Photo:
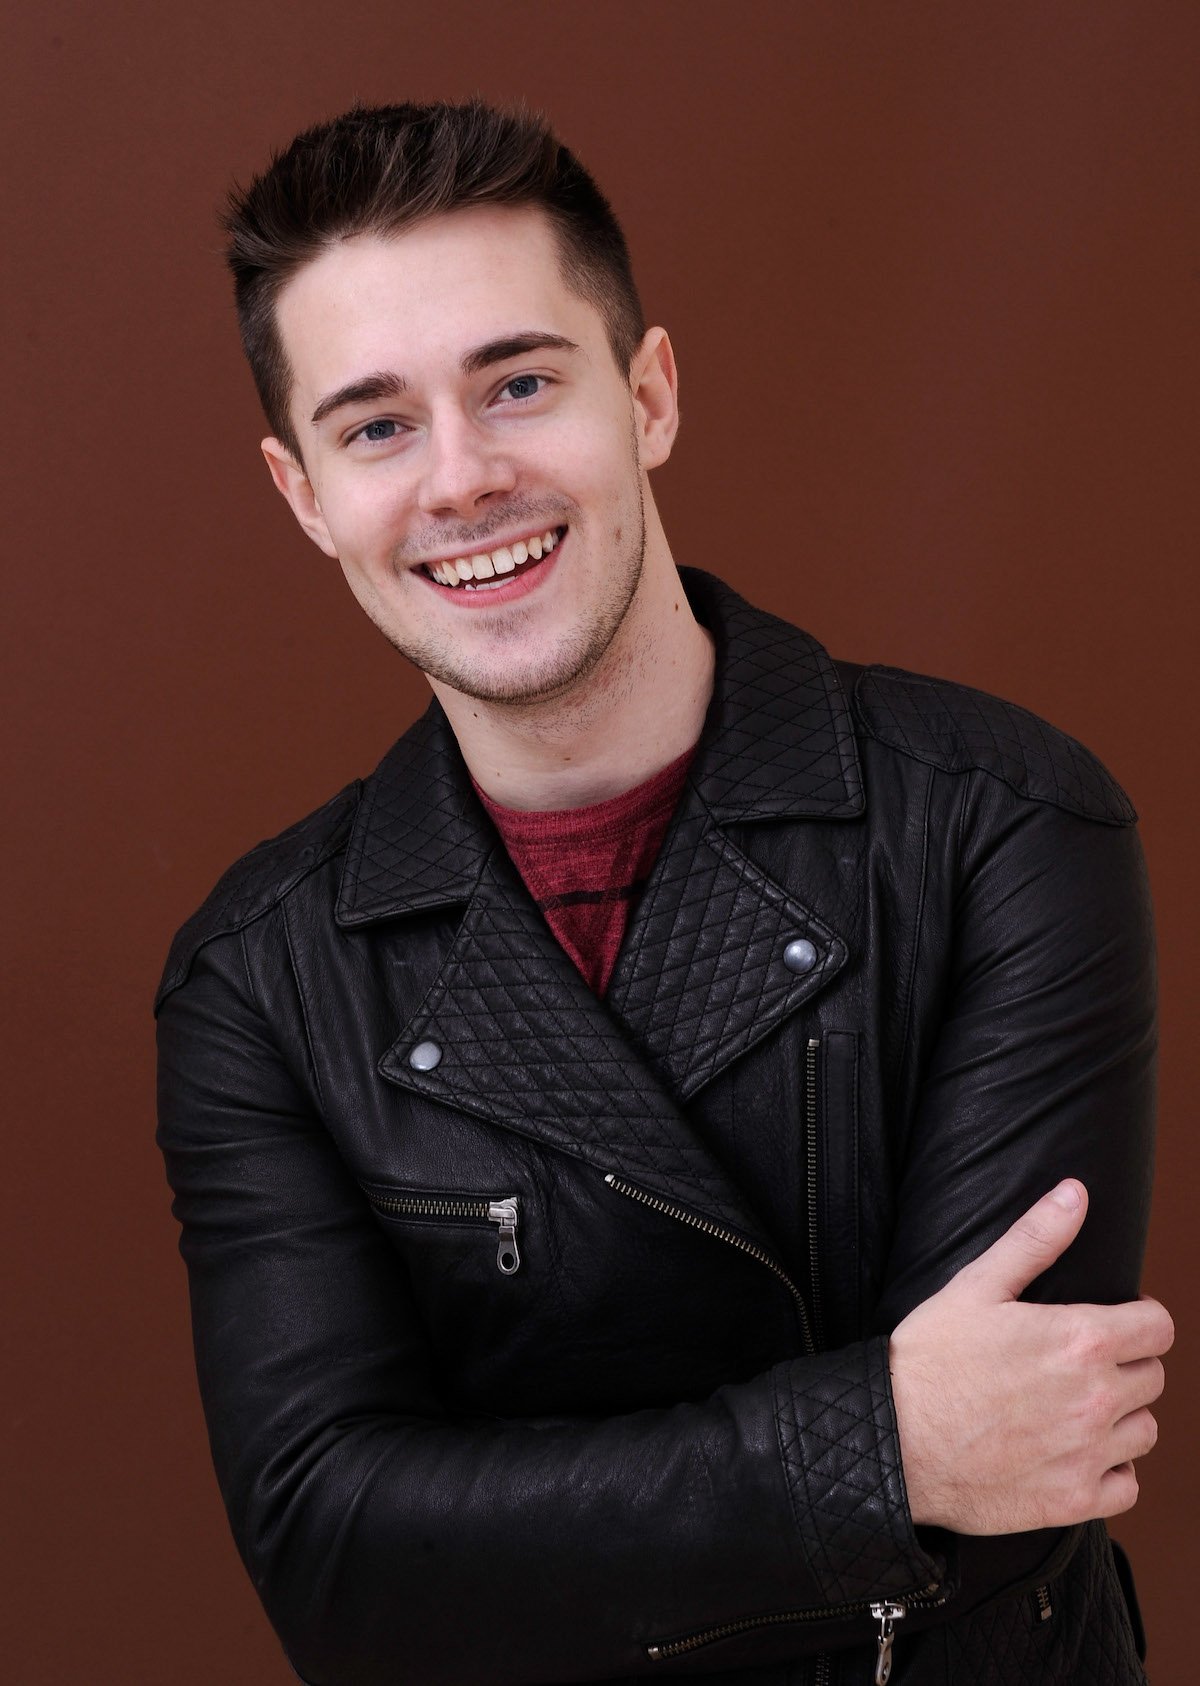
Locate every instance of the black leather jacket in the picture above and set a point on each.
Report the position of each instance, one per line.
(543, 1338)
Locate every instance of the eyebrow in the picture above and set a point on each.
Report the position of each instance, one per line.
(368, 390)
(385, 384)
(513, 345)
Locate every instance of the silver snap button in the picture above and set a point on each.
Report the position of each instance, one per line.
(800, 956)
(425, 1056)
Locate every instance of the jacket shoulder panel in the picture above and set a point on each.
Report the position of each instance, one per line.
(259, 880)
(958, 728)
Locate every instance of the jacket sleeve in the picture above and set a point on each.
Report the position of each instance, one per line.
(392, 1540)
(1041, 1061)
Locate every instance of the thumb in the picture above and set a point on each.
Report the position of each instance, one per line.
(1031, 1246)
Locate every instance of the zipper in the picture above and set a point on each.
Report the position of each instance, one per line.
(503, 1213)
(886, 1614)
(821, 1676)
(1044, 1607)
(706, 1225)
(811, 1058)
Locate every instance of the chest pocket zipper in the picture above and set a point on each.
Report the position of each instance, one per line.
(504, 1213)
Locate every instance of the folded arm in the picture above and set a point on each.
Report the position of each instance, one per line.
(1017, 1416)
(384, 1533)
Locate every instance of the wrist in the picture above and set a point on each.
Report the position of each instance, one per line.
(918, 1471)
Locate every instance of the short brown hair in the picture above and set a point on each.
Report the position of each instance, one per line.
(375, 170)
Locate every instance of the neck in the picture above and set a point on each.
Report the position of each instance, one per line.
(638, 710)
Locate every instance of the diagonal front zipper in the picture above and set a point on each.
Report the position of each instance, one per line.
(720, 1233)
(885, 1614)
(502, 1212)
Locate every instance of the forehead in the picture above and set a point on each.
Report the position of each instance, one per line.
(414, 301)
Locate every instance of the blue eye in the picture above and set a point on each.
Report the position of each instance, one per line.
(377, 432)
(523, 386)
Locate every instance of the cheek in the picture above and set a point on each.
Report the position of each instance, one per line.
(607, 483)
(365, 528)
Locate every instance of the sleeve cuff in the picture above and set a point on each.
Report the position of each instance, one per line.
(841, 1452)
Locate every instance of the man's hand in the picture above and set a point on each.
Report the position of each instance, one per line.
(1018, 1416)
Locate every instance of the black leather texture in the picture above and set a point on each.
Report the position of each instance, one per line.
(665, 1443)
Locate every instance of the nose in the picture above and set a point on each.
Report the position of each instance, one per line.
(464, 467)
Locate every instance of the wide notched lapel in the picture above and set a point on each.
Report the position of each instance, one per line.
(508, 1030)
(522, 1041)
(704, 971)
(702, 975)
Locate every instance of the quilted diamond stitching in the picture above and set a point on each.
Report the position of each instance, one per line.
(839, 1445)
(701, 976)
(421, 836)
(525, 1041)
(778, 738)
(959, 728)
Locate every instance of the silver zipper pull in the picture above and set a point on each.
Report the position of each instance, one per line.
(508, 1257)
(887, 1615)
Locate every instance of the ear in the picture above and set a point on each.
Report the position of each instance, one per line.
(655, 387)
(291, 480)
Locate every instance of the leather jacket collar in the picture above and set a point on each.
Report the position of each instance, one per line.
(778, 743)
(689, 994)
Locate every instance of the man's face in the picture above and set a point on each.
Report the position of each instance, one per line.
(473, 456)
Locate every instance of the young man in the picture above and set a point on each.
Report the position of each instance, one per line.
(611, 1142)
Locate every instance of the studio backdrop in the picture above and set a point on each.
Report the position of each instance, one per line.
(931, 276)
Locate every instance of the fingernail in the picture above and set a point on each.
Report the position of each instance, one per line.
(1066, 1195)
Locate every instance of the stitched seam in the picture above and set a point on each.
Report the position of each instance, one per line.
(357, 846)
(234, 928)
(1127, 814)
(258, 1007)
(784, 1460)
(910, 983)
(180, 974)
(895, 1498)
(841, 719)
(831, 1581)
(855, 1195)
(304, 1015)
(960, 832)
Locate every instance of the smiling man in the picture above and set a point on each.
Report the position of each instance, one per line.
(461, 436)
(664, 1163)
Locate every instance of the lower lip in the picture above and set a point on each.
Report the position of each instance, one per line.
(510, 592)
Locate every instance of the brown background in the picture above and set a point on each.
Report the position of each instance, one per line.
(931, 271)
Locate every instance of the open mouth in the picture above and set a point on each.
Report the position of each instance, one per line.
(486, 570)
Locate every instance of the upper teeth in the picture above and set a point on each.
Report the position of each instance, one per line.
(487, 564)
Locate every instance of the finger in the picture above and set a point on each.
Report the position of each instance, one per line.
(1134, 1435)
(1166, 1324)
(1140, 1383)
(1031, 1246)
(1117, 1491)
(1137, 1329)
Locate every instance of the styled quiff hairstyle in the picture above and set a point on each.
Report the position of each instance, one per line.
(378, 169)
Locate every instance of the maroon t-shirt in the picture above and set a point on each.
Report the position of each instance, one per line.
(585, 867)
